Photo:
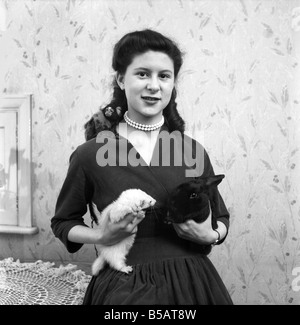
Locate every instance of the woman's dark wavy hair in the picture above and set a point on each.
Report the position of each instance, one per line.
(125, 50)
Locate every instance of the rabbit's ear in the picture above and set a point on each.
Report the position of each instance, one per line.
(214, 180)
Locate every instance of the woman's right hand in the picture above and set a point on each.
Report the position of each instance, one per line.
(111, 233)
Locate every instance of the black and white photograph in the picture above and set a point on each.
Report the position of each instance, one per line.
(150, 155)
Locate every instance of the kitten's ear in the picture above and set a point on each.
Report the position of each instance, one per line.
(214, 180)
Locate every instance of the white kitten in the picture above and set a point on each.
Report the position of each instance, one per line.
(130, 201)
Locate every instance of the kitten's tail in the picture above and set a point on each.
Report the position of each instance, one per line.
(98, 265)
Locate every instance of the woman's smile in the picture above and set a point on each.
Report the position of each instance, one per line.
(151, 100)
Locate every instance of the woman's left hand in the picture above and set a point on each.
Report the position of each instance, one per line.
(200, 233)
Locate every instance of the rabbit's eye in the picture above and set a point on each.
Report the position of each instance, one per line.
(194, 195)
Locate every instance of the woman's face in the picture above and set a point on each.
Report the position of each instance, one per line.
(148, 83)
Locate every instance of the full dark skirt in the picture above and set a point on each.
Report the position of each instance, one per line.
(159, 278)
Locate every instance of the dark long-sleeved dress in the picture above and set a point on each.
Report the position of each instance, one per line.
(167, 270)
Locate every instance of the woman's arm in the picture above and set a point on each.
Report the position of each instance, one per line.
(109, 234)
(68, 223)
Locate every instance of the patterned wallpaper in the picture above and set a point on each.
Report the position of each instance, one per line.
(237, 92)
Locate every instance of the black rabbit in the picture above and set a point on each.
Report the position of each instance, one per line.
(193, 200)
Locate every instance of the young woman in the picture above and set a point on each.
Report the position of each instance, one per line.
(170, 263)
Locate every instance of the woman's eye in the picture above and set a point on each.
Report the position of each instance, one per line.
(164, 76)
(142, 74)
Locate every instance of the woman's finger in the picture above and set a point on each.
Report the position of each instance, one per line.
(132, 220)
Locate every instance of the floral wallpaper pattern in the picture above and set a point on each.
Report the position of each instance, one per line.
(238, 92)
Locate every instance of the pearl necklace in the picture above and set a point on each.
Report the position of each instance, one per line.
(143, 127)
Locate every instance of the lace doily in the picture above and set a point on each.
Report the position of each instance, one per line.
(41, 283)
